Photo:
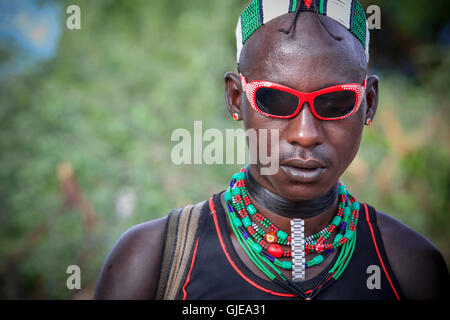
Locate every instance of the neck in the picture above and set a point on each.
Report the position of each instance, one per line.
(305, 209)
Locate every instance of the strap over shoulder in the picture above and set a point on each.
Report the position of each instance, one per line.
(182, 231)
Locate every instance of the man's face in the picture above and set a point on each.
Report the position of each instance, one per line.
(313, 153)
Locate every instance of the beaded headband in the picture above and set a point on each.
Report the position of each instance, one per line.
(348, 13)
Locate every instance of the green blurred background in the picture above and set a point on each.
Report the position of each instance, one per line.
(86, 118)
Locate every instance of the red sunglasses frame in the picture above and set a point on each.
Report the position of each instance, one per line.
(251, 88)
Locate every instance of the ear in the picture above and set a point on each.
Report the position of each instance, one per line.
(233, 93)
(371, 97)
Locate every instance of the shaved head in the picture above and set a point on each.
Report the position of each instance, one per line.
(308, 51)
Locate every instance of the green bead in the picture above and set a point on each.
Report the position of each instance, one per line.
(286, 265)
(227, 196)
(237, 222)
(256, 247)
(239, 176)
(347, 212)
(246, 221)
(257, 237)
(355, 206)
(342, 189)
(235, 191)
(251, 209)
(336, 221)
(282, 235)
(316, 260)
(348, 234)
(338, 237)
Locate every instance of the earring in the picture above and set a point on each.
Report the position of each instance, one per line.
(368, 121)
(236, 116)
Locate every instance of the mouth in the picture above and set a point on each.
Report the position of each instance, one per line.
(303, 170)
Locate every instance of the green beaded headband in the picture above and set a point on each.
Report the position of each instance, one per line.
(348, 13)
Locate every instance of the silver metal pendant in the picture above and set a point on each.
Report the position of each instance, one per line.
(298, 249)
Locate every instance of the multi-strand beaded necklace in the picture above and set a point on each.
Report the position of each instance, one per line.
(262, 240)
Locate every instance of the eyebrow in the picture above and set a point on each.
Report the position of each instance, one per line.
(327, 85)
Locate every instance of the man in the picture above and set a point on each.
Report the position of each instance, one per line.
(303, 72)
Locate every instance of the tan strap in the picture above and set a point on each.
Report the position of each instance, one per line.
(182, 229)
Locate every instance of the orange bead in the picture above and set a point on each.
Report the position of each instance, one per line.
(271, 237)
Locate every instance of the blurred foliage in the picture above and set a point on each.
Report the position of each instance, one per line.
(85, 137)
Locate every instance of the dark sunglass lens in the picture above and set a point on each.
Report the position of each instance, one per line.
(335, 104)
(276, 102)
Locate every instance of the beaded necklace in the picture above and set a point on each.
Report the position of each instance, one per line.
(262, 240)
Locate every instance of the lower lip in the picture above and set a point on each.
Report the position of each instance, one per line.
(303, 175)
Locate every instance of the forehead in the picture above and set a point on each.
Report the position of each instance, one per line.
(308, 58)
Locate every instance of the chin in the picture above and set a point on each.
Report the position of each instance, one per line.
(299, 188)
(301, 192)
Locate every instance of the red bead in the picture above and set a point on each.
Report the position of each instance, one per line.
(319, 247)
(275, 250)
(271, 237)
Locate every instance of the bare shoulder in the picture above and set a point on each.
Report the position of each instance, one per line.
(416, 262)
(131, 269)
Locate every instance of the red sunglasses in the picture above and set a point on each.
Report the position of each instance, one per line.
(278, 101)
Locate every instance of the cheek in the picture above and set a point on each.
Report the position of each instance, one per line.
(263, 137)
(345, 140)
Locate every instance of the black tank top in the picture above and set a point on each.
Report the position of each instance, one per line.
(216, 271)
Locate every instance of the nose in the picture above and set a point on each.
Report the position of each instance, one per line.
(305, 129)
